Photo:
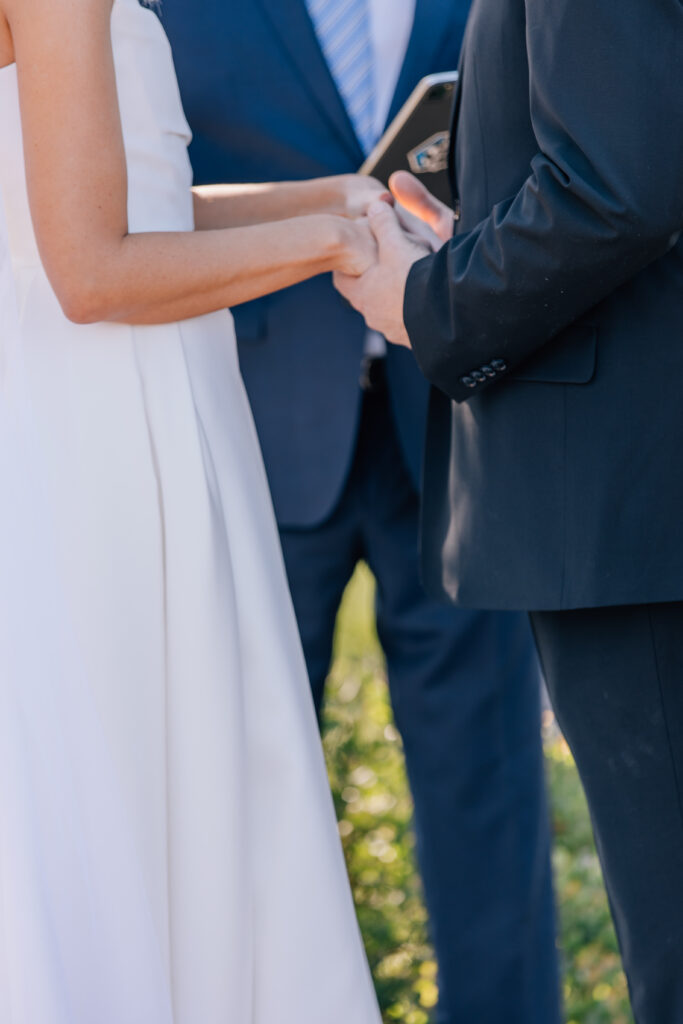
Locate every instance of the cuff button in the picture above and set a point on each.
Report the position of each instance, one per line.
(488, 371)
(499, 365)
(469, 382)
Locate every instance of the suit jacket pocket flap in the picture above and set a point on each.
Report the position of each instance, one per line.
(567, 359)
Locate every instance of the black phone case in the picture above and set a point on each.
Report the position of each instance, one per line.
(418, 140)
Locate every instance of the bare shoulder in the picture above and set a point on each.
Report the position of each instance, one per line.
(67, 9)
(33, 21)
(67, 87)
(6, 48)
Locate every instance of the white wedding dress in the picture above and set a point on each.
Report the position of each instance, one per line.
(168, 849)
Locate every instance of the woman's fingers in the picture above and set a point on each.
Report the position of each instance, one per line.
(359, 192)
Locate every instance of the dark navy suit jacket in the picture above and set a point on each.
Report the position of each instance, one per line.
(554, 319)
(263, 107)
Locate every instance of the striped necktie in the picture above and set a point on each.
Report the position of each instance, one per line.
(343, 30)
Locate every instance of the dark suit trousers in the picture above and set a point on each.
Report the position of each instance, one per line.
(615, 676)
(465, 693)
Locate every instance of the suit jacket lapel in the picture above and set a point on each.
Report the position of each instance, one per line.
(291, 21)
(432, 18)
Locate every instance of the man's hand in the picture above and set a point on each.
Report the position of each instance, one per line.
(378, 293)
(418, 201)
(417, 229)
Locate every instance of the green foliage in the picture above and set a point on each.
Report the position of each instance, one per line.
(374, 808)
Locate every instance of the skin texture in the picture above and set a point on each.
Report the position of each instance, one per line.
(346, 195)
(378, 293)
(6, 50)
(422, 205)
(78, 193)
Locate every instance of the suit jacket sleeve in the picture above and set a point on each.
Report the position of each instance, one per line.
(604, 197)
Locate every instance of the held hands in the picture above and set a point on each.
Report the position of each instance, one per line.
(377, 293)
(357, 251)
(419, 210)
(354, 194)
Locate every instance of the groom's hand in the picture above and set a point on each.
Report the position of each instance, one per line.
(419, 201)
(378, 293)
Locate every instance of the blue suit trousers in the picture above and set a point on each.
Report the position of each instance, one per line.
(465, 691)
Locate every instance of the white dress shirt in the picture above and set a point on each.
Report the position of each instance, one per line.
(391, 24)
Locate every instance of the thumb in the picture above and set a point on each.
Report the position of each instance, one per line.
(419, 201)
(385, 225)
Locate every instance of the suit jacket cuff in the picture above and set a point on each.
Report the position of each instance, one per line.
(427, 319)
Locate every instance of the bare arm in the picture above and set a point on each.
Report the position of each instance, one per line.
(78, 193)
(6, 51)
(343, 195)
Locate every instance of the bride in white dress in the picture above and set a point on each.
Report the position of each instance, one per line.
(168, 849)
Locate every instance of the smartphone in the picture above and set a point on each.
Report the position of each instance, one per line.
(419, 137)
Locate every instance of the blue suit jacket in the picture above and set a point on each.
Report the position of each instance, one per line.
(554, 318)
(263, 106)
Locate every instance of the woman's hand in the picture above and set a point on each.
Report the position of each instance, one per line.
(355, 193)
(358, 250)
(378, 293)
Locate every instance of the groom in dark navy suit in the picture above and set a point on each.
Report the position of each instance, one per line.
(293, 89)
(551, 325)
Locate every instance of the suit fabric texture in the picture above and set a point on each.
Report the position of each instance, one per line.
(614, 676)
(552, 478)
(344, 467)
(551, 327)
(275, 112)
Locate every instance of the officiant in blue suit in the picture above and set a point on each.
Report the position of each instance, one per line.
(293, 89)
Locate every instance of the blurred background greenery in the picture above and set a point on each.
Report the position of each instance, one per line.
(373, 807)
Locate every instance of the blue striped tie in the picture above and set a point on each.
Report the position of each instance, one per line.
(343, 30)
